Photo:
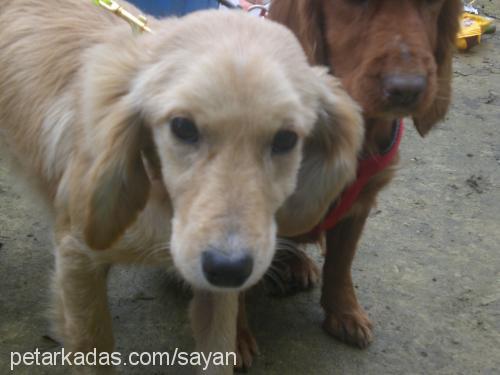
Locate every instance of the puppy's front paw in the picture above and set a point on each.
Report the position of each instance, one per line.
(292, 271)
(352, 327)
(246, 349)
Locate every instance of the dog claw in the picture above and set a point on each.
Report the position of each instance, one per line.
(353, 328)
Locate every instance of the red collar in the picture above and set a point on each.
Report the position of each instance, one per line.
(367, 168)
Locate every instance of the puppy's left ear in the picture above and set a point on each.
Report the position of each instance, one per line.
(329, 159)
(448, 24)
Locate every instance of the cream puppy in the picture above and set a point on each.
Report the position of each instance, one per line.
(173, 147)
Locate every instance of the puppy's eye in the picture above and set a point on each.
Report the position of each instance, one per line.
(284, 141)
(185, 130)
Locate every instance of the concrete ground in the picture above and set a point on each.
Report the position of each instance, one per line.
(427, 270)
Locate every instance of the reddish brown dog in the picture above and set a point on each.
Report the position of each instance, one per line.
(395, 59)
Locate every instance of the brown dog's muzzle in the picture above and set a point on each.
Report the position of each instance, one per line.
(403, 92)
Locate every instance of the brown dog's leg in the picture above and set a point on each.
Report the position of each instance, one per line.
(246, 346)
(344, 317)
(292, 269)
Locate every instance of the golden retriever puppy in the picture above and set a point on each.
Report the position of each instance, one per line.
(178, 146)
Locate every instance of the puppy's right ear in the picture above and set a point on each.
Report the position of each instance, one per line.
(117, 185)
(304, 18)
(329, 159)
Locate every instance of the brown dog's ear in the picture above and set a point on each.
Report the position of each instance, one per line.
(448, 24)
(303, 17)
(329, 159)
(118, 184)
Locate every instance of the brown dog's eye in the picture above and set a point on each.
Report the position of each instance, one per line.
(185, 130)
(284, 141)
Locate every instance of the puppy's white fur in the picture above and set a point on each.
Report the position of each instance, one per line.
(85, 109)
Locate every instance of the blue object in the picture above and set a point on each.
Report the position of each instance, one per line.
(162, 8)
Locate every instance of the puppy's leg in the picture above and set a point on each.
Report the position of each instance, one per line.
(213, 320)
(82, 318)
(292, 269)
(246, 346)
(345, 318)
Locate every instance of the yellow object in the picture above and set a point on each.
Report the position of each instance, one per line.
(471, 28)
(484, 22)
(139, 23)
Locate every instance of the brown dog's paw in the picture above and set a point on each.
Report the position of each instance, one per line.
(353, 327)
(291, 271)
(246, 349)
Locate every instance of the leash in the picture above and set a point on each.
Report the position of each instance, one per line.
(139, 23)
(367, 168)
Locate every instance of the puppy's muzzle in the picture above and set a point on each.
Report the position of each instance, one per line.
(226, 270)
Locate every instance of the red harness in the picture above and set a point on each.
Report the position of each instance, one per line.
(367, 168)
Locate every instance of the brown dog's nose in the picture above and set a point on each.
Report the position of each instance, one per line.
(226, 270)
(403, 90)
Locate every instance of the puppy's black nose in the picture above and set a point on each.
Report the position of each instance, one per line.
(403, 90)
(226, 270)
